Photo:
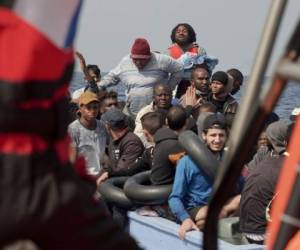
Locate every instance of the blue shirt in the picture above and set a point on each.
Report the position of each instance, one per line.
(191, 188)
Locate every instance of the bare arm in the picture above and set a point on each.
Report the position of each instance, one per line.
(83, 66)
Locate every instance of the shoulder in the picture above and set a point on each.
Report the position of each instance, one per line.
(163, 58)
(231, 99)
(131, 137)
(185, 161)
(74, 125)
(144, 110)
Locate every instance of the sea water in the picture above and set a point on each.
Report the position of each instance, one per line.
(289, 99)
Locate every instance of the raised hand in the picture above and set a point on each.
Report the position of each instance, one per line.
(81, 60)
(190, 97)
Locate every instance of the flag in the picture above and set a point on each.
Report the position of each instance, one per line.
(36, 65)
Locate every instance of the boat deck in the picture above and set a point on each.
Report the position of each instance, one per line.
(154, 233)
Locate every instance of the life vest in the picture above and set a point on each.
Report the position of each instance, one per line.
(175, 51)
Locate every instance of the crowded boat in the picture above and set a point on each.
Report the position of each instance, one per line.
(176, 164)
(132, 149)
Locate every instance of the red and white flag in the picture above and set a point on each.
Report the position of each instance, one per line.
(36, 65)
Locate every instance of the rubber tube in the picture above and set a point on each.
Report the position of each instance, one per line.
(136, 189)
(112, 192)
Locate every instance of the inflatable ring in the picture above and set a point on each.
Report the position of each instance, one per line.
(200, 154)
(136, 189)
(112, 192)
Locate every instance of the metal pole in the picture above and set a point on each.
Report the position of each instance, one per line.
(244, 119)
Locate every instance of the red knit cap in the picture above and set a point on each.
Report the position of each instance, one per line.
(140, 49)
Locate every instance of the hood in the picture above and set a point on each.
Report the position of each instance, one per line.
(165, 134)
(277, 133)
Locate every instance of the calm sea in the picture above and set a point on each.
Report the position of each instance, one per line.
(287, 102)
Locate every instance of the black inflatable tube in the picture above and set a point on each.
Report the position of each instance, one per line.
(146, 194)
(112, 192)
(200, 154)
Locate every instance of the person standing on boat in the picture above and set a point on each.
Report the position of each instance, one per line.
(88, 134)
(183, 38)
(192, 188)
(92, 75)
(139, 72)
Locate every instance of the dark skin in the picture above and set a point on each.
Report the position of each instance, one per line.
(162, 97)
(89, 75)
(218, 90)
(200, 80)
(109, 103)
(236, 87)
(89, 113)
(182, 37)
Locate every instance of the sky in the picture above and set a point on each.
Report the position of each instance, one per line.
(227, 29)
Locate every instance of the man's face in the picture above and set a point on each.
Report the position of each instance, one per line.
(217, 87)
(215, 139)
(109, 103)
(89, 111)
(140, 63)
(181, 35)
(162, 97)
(200, 80)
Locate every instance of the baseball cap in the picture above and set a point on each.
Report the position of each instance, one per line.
(214, 121)
(115, 118)
(87, 97)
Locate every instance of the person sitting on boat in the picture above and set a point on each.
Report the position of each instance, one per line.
(192, 187)
(276, 134)
(199, 86)
(92, 75)
(258, 192)
(238, 79)
(151, 122)
(139, 72)
(124, 147)
(220, 94)
(88, 134)
(166, 143)
(162, 97)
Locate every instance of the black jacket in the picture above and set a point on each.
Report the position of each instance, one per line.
(257, 193)
(166, 143)
(143, 163)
